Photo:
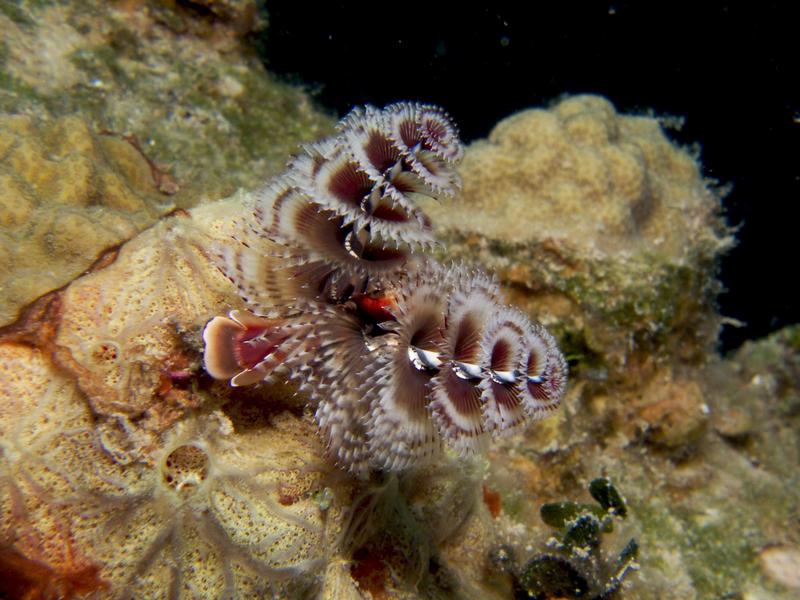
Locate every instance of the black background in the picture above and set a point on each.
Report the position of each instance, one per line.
(729, 70)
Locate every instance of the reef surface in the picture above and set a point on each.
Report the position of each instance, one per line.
(126, 471)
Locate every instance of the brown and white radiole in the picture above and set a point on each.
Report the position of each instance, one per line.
(400, 355)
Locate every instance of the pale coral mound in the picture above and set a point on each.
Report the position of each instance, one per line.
(584, 174)
(602, 226)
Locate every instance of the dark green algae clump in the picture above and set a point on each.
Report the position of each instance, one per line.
(576, 567)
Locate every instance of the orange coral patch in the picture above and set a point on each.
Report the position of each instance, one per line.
(493, 501)
(23, 578)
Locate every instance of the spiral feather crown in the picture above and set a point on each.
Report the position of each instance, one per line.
(401, 356)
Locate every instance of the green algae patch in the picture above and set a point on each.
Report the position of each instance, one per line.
(719, 557)
(13, 10)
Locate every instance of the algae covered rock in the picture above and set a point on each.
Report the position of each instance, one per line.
(705, 505)
(599, 224)
(179, 76)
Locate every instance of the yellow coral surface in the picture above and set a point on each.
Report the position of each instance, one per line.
(66, 194)
(214, 508)
(122, 328)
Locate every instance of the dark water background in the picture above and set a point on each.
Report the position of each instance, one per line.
(729, 70)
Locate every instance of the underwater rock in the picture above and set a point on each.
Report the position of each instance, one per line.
(66, 194)
(782, 563)
(703, 505)
(179, 76)
(673, 413)
(242, 14)
(733, 424)
(597, 220)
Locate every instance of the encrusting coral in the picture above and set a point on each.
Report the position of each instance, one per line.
(142, 473)
(128, 349)
(238, 500)
(45, 431)
(399, 353)
(139, 529)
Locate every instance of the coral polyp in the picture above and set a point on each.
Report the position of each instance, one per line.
(400, 355)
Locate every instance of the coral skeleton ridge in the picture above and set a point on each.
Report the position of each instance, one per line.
(400, 355)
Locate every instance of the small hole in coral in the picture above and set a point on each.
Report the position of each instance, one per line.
(185, 469)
